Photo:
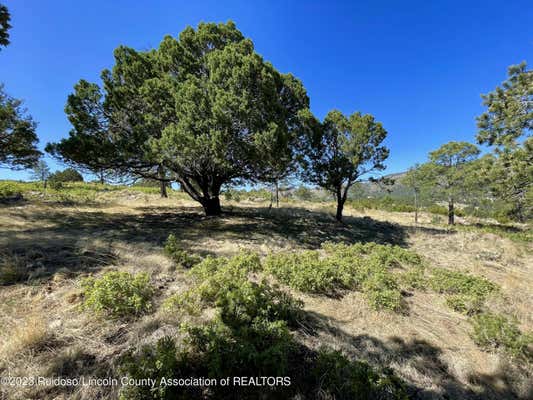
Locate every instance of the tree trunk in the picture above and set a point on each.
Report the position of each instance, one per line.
(277, 194)
(451, 213)
(163, 189)
(211, 206)
(416, 207)
(102, 180)
(162, 183)
(340, 206)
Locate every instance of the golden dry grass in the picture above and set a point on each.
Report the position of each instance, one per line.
(43, 331)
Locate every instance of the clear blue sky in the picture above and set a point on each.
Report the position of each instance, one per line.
(418, 66)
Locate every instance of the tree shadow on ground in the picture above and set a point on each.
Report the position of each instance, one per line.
(421, 359)
(60, 236)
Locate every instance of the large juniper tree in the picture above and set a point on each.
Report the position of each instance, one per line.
(341, 150)
(201, 107)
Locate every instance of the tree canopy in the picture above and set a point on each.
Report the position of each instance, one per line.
(18, 139)
(4, 25)
(338, 152)
(507, 125)
(449, 172)
(509, 112)
(202, 105)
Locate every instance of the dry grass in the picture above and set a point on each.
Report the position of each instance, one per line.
(43, 331)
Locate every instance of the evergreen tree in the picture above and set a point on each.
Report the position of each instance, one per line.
(341, 150)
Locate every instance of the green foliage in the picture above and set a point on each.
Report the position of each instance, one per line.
(509, 109)
(155, 362)
(441, 210)
(18, 138)
(67, 175)
(517, 234)
(251, 332)
(340, 150)
(451, 173)
(496, 331)
(366, 267)
(232, 194)
(118, 294)
(177, 254)
(467, 293)
(4, 25)
(384, 203)
(251, 329)
(195, 100)
(342, 379)
(9, 189)
(219, 280)
(415, 278)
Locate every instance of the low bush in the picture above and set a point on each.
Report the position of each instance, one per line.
(493, 331)
(9, 190)
(442, 210)
(151, 362)
(250, 335)
(384, 203)
(415, 278)
(223, 282)
(365, 267)
(118, 294)
(467, 293)
(177, 254)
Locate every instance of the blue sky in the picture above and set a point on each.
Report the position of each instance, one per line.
(418, 66)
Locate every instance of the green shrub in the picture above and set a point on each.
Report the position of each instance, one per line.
(155, 362)
(251, 329)
(365, 267)
(223, 282)
(177, 254)
(496, 331)
(9, 190)
(382, 292)
(467, 292)
(67, 175)
(340, 378)
(415, 278)
(55, 184)
(118, 294)
(442, 210)
(251, 332)
(385, 203)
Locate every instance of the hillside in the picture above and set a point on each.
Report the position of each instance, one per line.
(419, 326)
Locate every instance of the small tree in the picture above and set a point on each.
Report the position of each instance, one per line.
(338, 152)
(41, 172)
(67, 175)
(415, 180)
(448, 171)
